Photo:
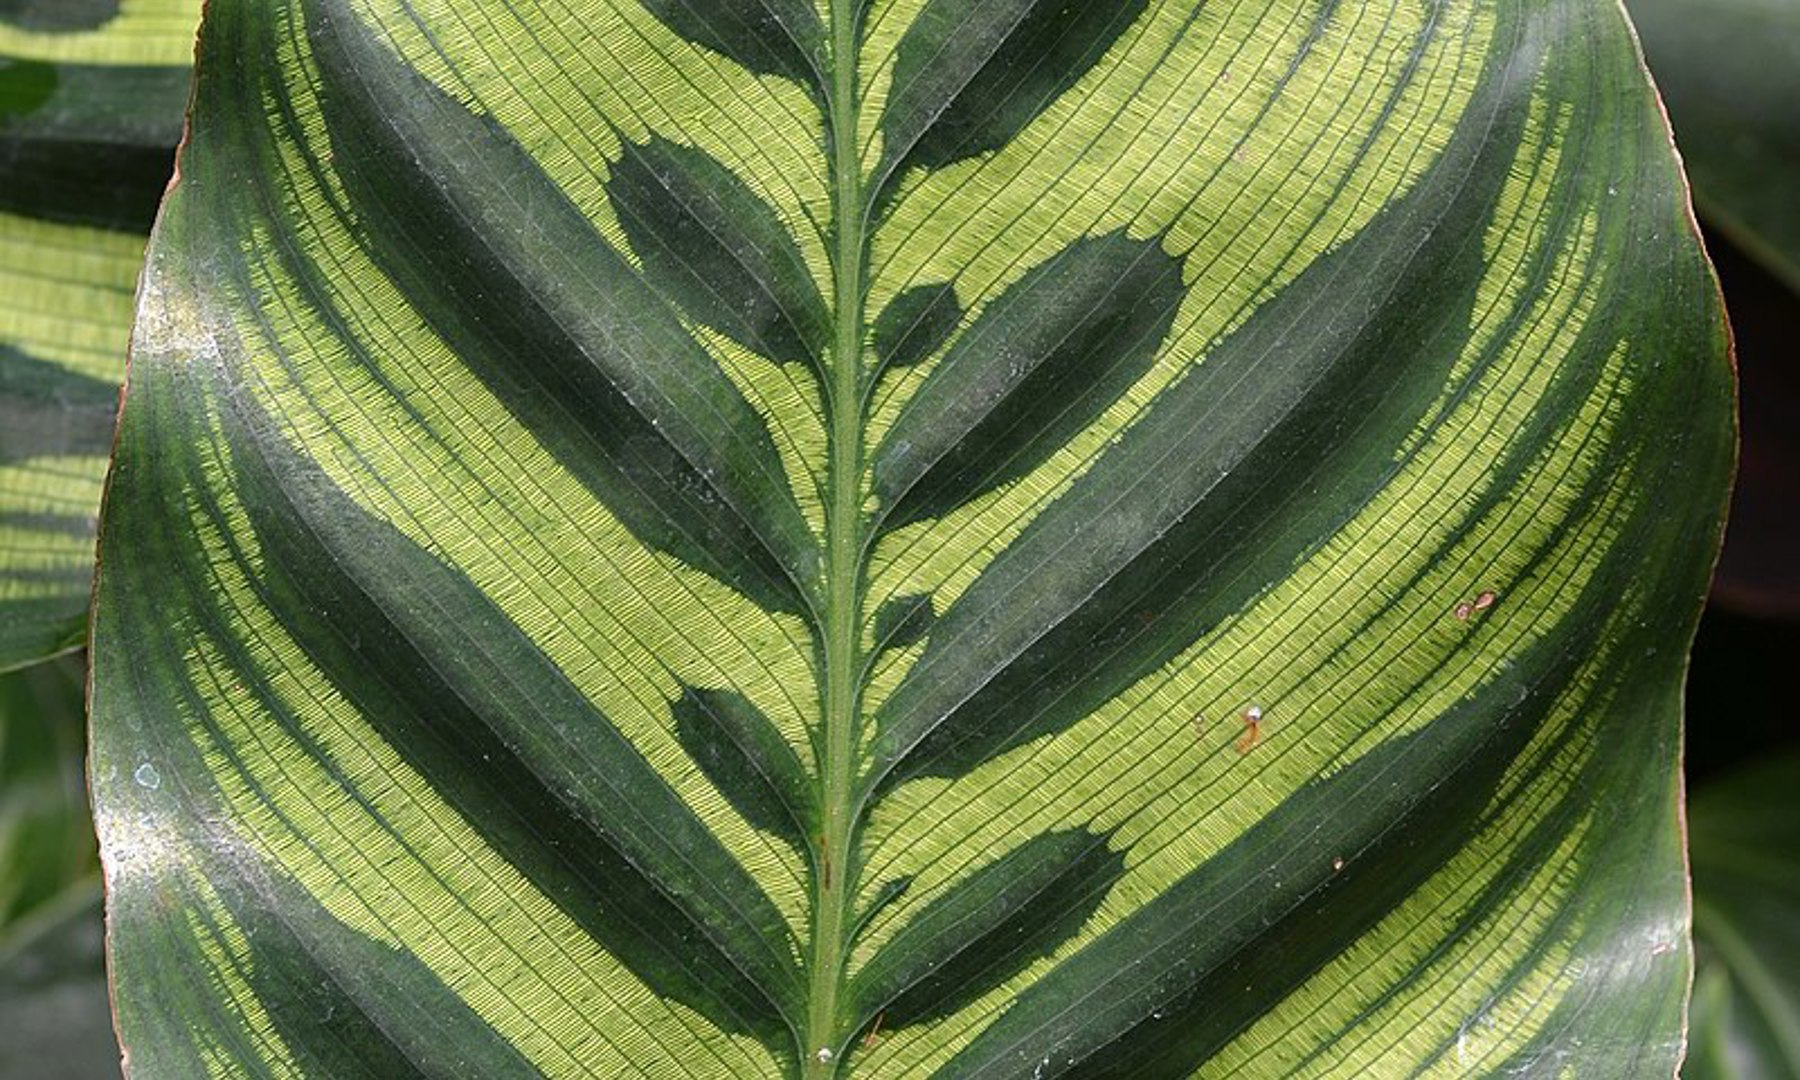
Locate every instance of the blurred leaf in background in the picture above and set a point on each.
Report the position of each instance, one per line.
(54, 1020)
(1746, 858)
(1730, 73)
(91, 100)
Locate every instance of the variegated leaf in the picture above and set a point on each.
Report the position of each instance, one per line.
(934, 537)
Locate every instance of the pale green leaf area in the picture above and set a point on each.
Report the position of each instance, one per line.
(957, 538)
(1744, 830)
(91, 100)
(1730, 71)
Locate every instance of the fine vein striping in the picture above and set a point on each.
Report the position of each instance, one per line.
(875, 866)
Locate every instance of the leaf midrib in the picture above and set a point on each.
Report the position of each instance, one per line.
(833, 865)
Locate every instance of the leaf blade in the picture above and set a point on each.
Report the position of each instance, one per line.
(1378, 472)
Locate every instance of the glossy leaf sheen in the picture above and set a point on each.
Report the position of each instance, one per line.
(997, 539)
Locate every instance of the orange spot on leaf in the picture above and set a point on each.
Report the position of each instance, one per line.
(1252, 730)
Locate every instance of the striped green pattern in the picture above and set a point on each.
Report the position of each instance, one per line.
(971, 538)
(91, 96)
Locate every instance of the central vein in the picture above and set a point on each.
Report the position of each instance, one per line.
(843, 610)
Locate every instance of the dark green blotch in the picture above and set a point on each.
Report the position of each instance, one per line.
(47, 410)
(989, 927)
(351, 1006)
(915, 325)
(971, 74)
(1170, 985)
(569, 337)
(747, 759)
(24, 377)
(903, 621)
(25, 85)
(448, 715)
(717, 250)
(58, 16)
(769, 37)
(75, 526)
(1043, 361)
(88, 144)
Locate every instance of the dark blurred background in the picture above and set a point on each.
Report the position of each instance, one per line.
(1744, 685)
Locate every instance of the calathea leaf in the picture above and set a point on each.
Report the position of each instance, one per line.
(46, 850)
(993, 539)
(777, 37)
(720, 251)
(914, 325)
(969, 77)
(91, 98)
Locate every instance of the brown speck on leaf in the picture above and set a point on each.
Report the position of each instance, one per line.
(1252, 730)
(1337, 864)
(1486, 600)
(1463, 611)
(874, 1035)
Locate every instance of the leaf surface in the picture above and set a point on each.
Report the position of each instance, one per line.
(993, 539)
